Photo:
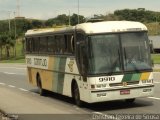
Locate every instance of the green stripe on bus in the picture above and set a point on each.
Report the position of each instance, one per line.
(56, 63)
(55, 75)
(127, 77)
(131, 77)
(55, 80)
(62, 64)
(60, 82)
(136, 77)
(58, 77)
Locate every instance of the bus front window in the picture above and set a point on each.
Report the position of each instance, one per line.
(104, 54)
(135, 51)
(113, 53)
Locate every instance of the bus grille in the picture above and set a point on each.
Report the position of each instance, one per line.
(122, 83)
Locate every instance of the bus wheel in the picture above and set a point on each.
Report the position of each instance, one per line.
(41, 91)
(130, 100)
(76, 95)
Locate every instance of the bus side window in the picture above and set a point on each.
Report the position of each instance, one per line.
(60, 44)
(51, 44)
(69, 44)
(80, 37)
(79, 40)
(72, 44)
(30, 45)
(66, 51)
(27, 45)
(35, 45)
(43, 44)
(82, 53)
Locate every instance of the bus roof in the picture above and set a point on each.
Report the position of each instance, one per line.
(111, 26)
(47, 30)
(96, 27)
(39, 31)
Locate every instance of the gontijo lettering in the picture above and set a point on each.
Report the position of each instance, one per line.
(29, 61)
(40, 62)
(37, 61)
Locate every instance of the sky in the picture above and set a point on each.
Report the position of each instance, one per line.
(45, 9)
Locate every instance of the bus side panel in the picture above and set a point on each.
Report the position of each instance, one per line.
(30, 76)
(57, 76)
(67, 85)
(57, 66)
(45, 75)
(33, 76)
(46, 79)
(71, 73)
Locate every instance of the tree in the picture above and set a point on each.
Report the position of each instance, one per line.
(37, 24)
(1, 45)
(7, 46)
(3, 38)
(50, 22)
(62, 19)
(6, 41)
(139, 14)
(74, 19)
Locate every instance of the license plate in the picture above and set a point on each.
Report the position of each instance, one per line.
(124, 92)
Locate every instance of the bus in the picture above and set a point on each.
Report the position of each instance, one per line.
(91, 62)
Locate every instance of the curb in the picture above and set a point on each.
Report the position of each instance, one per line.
(4, 116)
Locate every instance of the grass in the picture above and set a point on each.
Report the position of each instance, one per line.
(19, 55)
(156, 58)
(13, 60)
(153, 28)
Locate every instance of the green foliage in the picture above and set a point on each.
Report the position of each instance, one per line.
(59, 20)
(63, 19)
(74, 19)
(13, 60)
(11, 50)
(153, 28)
(139, 14)
(22, 25)
(150, 18)
(156, 58)
(36, 24)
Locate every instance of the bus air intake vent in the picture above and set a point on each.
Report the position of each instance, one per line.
(122, 83)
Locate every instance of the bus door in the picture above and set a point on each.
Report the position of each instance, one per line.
(82, 56)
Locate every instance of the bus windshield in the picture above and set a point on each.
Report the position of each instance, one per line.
(111, 53)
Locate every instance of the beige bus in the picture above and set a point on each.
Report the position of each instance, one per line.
(91, 62)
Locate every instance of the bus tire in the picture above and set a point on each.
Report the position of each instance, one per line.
(76, 95)
(41, 91)
(130, 100)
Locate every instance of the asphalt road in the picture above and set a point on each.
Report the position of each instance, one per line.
(17, 97)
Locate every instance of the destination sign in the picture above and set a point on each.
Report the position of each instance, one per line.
(37, 61)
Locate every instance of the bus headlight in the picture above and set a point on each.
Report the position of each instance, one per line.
(98, 86)
(92, 86)
(101, 85)
(147, 81)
